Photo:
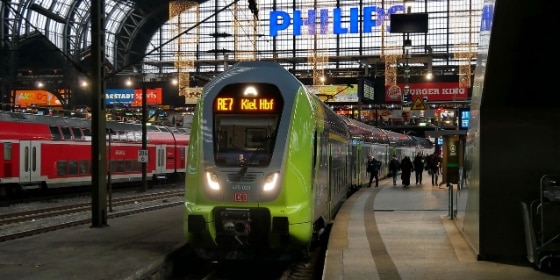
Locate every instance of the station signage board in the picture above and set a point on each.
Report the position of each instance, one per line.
(449, 91)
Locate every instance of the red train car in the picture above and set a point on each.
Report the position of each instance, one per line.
(53, 152)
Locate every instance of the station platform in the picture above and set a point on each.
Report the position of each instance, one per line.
(387, 233)
(130, 247)
(391, 232)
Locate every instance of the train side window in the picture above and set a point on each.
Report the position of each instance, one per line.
(61, 168)
(83, 167)
(137, 136)
(128, 166)
(87, 134)
(120, 166)
(66, 133)
(122, 136)
(73, 167)
(111, 167)
(77, 133)
(7, 151)
(137, 165)
(130, 136)
(55, 133)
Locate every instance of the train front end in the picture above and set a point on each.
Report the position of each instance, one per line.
(241, 195)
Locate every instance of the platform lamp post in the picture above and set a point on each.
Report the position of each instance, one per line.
(109, 169)
(144, 131)
(143, 155)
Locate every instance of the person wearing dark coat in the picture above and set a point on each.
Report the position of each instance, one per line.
(394, 166)
(418, 168)
(373, 170)
(434, 164)
(406, 170)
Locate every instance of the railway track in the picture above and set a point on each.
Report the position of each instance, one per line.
(309, 267)
(40, 220)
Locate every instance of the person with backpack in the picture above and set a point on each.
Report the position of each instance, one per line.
(394, 166)
(372, 168)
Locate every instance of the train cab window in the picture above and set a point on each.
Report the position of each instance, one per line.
(55, 133)
(66, 133)
(7, 151)
(73, 167)
(61, 168)
(84, 167)
(250, 136)
(77, 133)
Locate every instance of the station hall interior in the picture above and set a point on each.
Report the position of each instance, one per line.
(485, 58)
(173, 48)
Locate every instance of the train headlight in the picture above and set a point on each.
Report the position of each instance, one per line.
(212, 180)
(270, 181)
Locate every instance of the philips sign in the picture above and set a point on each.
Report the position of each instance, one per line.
(373, 16)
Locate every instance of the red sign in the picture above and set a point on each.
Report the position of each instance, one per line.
(154, 96)
(240, 197)
(431, 91)
(27, 98)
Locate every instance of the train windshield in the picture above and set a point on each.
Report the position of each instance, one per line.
(246, 118)
(244, 140)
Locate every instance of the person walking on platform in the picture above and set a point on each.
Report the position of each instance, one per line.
(434, 164)
(406, 170)
(418, 168)
(373, 170)
(394, 166)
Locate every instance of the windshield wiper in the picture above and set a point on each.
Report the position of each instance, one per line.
(243, 162)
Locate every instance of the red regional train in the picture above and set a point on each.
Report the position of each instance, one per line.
(45, 152)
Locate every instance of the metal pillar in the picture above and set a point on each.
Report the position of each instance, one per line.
(98, 123)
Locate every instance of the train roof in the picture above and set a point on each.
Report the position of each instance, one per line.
(41, 124)
(422, 142)
(366, 132)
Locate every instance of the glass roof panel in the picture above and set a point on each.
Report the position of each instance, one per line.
(116, 12)
(452, 26)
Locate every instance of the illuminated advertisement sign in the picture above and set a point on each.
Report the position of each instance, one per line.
(133, 97)
(336, 93)
(153, 96)
(230, 104)
(371, 17)
(28, 98)
(119, 96)
(464, 119)
(428, 91)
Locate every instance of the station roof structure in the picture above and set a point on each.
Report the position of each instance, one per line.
(197, 39)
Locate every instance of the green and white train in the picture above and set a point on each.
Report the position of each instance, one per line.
(269, 165)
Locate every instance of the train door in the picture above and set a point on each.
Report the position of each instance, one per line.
(161, 159)
(30, 162)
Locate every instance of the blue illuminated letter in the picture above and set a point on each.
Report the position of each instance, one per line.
(275, 17)
(337, 22)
